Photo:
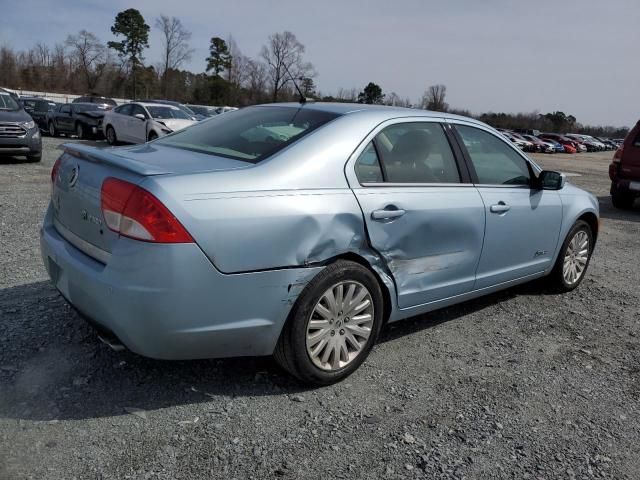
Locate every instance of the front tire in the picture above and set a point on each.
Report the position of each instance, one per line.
(111, 136)
(52, 130)
(80, 131)
(34, 158)
(574, 257)
(333, 325)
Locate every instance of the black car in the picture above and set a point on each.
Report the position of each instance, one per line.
(82, 119)
(38, 108)
(100, 100)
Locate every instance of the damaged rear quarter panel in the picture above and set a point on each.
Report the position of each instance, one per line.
(276, 229)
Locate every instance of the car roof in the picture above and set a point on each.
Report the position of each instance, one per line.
(156, 104)
(391, 112)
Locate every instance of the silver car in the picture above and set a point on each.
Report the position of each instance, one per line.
(300, 230)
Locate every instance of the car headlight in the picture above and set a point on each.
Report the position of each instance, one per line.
(28, 125)
(167, 130)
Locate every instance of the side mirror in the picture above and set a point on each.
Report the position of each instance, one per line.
(550, 180)
(140, 116)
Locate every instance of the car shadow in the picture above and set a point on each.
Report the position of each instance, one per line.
(53, 367)
(607, 210)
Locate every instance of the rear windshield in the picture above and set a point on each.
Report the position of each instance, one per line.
(167, 112)
(251, 134)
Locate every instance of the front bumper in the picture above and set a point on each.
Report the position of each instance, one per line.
(169, 301)
(28, 144)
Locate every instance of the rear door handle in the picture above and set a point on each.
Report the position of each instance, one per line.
(387, 214)
(500, 207)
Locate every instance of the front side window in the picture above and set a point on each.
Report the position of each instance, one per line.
(250, 134)
(65, 109)
(494, 161)
(417, 153)
(137, 109)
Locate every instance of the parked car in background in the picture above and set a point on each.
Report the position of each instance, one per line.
(81, 119)
(220, 110)
(231, 238)
(181, 106)
(139, 122)
(564, 141)
(38, 108)
(624, 171)
(527, 131)
(541, 145)
(522, 144)
(19, 134)
(591, 144)
(107, 102)
(204, 110)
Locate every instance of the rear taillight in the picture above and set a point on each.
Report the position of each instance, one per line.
(133, 212)
(617, 157)
(54, 170)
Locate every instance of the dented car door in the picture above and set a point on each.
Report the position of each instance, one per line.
(422, 214)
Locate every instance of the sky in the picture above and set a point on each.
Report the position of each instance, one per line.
(577, 56)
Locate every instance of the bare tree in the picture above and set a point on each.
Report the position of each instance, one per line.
(255, 80)
(433, 98)
(175, 40)
(283, 52)
(89, 55)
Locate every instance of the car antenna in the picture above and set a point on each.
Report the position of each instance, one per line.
(302, 99)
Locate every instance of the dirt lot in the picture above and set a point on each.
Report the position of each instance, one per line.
(520, 384)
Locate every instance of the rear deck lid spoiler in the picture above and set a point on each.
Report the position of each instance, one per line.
(154, 159)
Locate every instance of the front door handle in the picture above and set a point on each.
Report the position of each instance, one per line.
(387, 214)
(500, 207)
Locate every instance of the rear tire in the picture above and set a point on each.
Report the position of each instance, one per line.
(621, 200)
(299, 351)
(110, 133)
(573, 261)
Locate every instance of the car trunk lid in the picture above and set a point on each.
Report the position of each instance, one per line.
(76, 189)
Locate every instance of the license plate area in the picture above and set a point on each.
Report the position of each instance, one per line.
(634, 186)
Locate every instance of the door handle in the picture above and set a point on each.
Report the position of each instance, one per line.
(387, 214)
(500, 207)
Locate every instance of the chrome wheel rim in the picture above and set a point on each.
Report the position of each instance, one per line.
(52, 129)
(340, 325)
(576, 257)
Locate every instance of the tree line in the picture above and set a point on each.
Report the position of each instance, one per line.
(83, 63)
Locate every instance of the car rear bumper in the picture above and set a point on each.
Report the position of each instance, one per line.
(169, 301)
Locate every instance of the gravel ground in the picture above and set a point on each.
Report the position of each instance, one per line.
(519, 384)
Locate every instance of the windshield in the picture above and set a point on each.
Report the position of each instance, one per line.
(167, 112)
(251, 134)
(8, 103)
(88, 107)
(201, 110)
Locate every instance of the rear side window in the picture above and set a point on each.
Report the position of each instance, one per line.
(417, 153)
(368, 166)
(124, 110)
(251, 134)
(494, 161)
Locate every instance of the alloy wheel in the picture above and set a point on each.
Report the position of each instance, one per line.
(576, 258)
(340, 325)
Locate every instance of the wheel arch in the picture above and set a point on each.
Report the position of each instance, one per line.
(387, 286)
(592, 220)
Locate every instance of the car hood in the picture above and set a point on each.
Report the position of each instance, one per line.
(92, 114)
(14, 116)
(176, 124)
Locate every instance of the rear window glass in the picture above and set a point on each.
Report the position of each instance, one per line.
(167, 112)
(8, 103)
(251, 134)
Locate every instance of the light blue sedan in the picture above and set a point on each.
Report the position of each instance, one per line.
(300, 230)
